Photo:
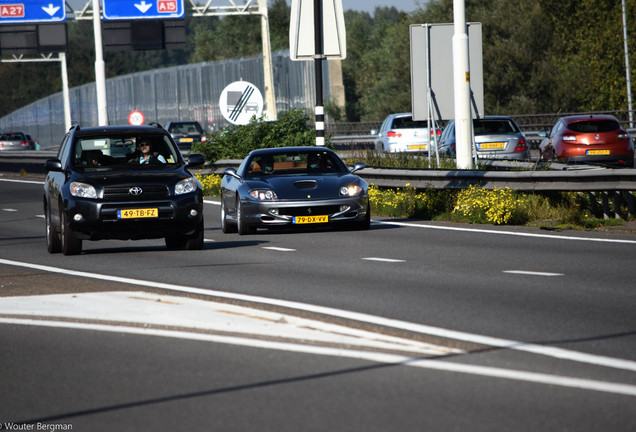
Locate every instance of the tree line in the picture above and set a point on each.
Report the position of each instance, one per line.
(539, 56)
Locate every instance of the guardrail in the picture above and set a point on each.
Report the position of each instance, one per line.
(605, 181)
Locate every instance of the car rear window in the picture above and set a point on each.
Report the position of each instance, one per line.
(592, 126)
(185, 128)
(488, 127)
(12, 137)
(408, 123)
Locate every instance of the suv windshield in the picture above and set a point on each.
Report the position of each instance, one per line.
(124, 152)
(592, 126)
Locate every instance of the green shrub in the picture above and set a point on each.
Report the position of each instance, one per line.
(293, 128)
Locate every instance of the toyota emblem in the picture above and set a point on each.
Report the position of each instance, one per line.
(136, 191)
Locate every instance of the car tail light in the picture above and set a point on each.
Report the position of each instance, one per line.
(437, 132)
(393, 134)
(624, 135)
(204, 138)
(24, 143)
(522, 145)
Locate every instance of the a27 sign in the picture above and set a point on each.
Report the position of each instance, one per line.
(33, 11)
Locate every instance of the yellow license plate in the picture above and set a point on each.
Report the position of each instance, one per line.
(492, 145)
(311, 219)
(186, 139)
(598, 152)
(138, 213)
(417, 147)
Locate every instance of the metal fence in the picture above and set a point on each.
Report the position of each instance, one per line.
(189, 92)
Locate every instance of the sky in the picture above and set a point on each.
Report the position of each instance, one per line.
(369, 5)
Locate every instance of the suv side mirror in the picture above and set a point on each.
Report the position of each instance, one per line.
(53, 165)
(195, 159)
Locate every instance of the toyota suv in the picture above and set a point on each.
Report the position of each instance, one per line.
(100, 187)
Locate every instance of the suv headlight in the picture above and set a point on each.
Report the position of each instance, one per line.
(263, 194)
(185, 186)
(350, 191)
(83, 190)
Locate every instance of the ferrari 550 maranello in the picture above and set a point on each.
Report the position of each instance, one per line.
(293, 186)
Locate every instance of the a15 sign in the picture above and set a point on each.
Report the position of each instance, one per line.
(32, 11)
(141, 9)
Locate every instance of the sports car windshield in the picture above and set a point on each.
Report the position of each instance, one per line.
(123, 152)
(294, 163)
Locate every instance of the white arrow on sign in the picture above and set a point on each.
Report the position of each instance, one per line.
(51, 10)
(143, 7)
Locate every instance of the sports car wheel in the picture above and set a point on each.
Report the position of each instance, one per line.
(71, 245)
(53, 241)
(225, 226)
(242, 226)
(366, 223)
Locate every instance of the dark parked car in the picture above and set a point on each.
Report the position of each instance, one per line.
(186, 133)
(293, 186)
(16, 141)
(98, 188)
(588, 139)
(496, 137)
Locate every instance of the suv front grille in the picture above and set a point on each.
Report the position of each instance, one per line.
(151, 192)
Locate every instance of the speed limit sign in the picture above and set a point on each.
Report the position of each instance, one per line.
(136, 118)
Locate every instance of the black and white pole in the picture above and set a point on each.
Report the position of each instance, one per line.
(318, 58)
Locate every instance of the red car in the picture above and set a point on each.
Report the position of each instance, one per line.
(596, 139)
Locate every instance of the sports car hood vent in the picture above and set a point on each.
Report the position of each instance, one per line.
(306, 184)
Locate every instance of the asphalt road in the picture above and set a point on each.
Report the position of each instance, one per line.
(538, 328)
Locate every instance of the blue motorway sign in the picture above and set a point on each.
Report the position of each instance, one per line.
(32, 11)
(141, 9)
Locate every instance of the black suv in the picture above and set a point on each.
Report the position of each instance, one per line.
(102, 187)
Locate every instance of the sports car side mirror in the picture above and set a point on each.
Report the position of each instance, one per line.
(232, 173)
(358, 166)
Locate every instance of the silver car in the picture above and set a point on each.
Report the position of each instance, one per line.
(496, 137)
(400, 133)
(16, 141)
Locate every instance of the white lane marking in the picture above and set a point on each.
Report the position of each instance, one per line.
(218, 203)
(279, 249)
(518, 375)
(532, 273)
(9, 210)
(389, 260)
(543, 350)
(488, 231)
(21, 181)
(129, 308)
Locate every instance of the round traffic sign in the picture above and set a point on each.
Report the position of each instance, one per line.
(136, 118)
(240, 101)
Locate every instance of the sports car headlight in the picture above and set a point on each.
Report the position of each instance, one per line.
(263, 194)
(350, 191)
(185, 186)
(83, 190)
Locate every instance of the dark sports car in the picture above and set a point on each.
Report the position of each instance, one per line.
(293, 186)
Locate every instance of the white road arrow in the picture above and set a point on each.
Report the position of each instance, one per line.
(51, 10)
(143, 7)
